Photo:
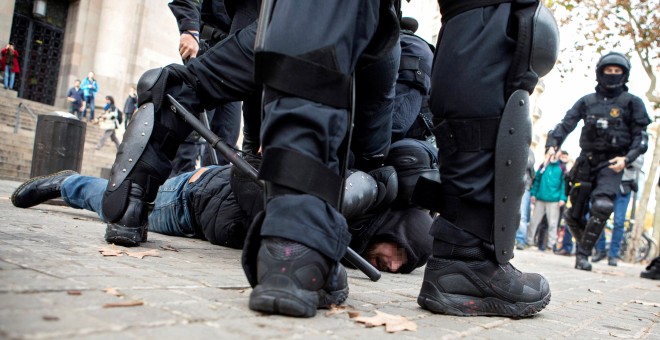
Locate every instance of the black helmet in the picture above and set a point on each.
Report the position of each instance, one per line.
(613, 58)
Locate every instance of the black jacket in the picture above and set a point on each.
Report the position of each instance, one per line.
(614, 126)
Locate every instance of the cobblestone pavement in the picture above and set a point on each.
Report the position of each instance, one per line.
(53, 277)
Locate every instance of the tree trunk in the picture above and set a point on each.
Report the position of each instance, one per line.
(640, 217)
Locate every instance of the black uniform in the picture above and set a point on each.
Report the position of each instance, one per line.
(412, 115)
(312, 57)
(614, 126)
(212, 21)
(477, 74)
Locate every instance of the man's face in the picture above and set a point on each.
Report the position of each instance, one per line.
(76, 83)
(613, 69)
(563, 157)
(90, 75)
(387, 256)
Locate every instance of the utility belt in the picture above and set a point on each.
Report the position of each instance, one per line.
(599, 160)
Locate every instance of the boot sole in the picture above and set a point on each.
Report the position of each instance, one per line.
(32, 180)
(125, 236)
(461, 305)
(281, 296)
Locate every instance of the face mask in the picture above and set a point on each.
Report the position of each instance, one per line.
(610, 81)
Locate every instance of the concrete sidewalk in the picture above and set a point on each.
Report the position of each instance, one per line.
(53, 277)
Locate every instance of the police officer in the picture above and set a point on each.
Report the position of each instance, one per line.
(484, 69)
(306, 55)
(202, 25)
(613, 136)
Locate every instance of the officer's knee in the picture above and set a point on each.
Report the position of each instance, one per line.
(412, 159)
(602, 207)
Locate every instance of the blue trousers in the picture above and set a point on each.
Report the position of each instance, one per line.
(9, 77)
(171, 214)
(620, 207)
(91, 106)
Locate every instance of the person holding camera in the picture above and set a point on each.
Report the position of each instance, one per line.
(613, 136)
(10, 65)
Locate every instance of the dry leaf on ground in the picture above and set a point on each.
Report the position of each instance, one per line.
(113, 291)
(124, 304)
(353, 314)
(169, 248)
(142, 254)
(392, 323)
(334, 309)
(111, 250)
(50, 318)
(74, 292)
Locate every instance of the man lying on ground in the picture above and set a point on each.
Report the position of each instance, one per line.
(218, 203)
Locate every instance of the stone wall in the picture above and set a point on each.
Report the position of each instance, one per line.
(118, 40)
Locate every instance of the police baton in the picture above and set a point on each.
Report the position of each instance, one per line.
(232, 156)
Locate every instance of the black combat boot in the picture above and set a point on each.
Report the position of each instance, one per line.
(582, 261)
(612, 261)
(131, 229)
(652, 270)
(40, 189)
(295, 280)
(468, 281)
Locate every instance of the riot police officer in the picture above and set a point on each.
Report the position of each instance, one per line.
(613, 136)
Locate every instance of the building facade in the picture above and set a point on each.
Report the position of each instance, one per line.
(118, 40)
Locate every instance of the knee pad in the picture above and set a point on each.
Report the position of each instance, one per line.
(602, 207)
(537, 45)
(412, 159)
(152, 84)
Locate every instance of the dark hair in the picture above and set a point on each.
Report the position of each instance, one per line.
(564, 152)
(112, 100)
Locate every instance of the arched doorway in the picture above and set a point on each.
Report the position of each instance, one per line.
(39, 40)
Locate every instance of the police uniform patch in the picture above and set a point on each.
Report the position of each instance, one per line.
(615, 112)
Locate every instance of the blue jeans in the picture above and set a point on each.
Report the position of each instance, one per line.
(91, 106)
(9, 77)
(525, 204)
(620, 207)
(171, 214)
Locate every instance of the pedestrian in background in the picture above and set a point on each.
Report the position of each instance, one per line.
(525, 203)
(548, 196)
(109, 122)
(10, 65)
(130, 105)
(76, 99)
(90, 87)
(565, 247)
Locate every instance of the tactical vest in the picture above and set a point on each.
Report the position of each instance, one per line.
(606, 123)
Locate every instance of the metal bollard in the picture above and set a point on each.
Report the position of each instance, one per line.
(59, 141)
